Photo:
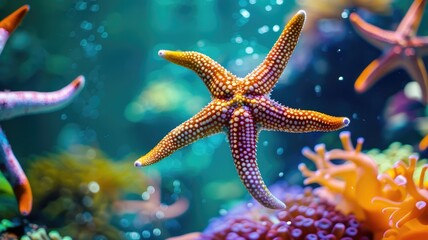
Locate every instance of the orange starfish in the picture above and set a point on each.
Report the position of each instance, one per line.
(401, 48)
(241, 107)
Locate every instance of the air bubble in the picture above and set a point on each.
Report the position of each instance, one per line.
(157, 232)
(244, 13)
(345, 14)
(280, 151)
(94, 187)
(264, 29)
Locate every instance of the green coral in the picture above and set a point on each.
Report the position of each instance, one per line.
(29, 231)
(76, 191)
(396, 151)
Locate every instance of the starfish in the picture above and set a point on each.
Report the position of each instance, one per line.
(10, 23)
(400, 48)
(14, 104)
(241, 107)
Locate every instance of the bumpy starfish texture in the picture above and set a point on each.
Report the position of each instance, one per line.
(241, 108)
(14, 104)
(401, 48)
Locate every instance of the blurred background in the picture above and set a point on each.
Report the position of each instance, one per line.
(133, 97)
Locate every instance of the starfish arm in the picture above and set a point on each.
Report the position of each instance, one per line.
(242, 140)
(420, 44)
(274, 116)
(376, 69)
(376, 36)
(13, 172)
(415, 67)
(218, 80)
(13, 104)
(410, 23)
(266, 75)
(203, 124)
(9, 24)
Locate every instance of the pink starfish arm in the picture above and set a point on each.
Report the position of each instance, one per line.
(203, 124)
(9, 24)
(274, 116)
(416, 69)
(13, 104)
(410, 23)
(262, 79)
(372, 34)
(376, 69)
(13, 172)
(420, 45)
(242, 139)
(220, 82)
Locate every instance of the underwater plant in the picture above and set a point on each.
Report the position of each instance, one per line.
(14, 104)
(392, 203)
(87, 195)
(28, 231)
(77, 191)
(401, 48)
(241, 107)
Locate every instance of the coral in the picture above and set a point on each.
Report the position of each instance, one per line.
(307, 216)
(395, 152)
(76, 191)
(24, 230)
(392, 203)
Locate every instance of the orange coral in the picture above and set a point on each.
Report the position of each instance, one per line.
(392, 203)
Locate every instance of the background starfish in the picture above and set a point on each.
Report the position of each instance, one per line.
(13, 104)
(241, 107)
(401, 48)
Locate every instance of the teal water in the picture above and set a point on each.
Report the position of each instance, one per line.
(133, 97)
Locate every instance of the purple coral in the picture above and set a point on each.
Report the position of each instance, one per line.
(307, 216)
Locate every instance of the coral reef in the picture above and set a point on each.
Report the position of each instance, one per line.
(392, 203)
(27, 231)
(307, 216)
(77, 191)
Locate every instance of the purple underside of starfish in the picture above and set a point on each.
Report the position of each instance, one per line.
(14, 104)
(241, 108)
(400, 49)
